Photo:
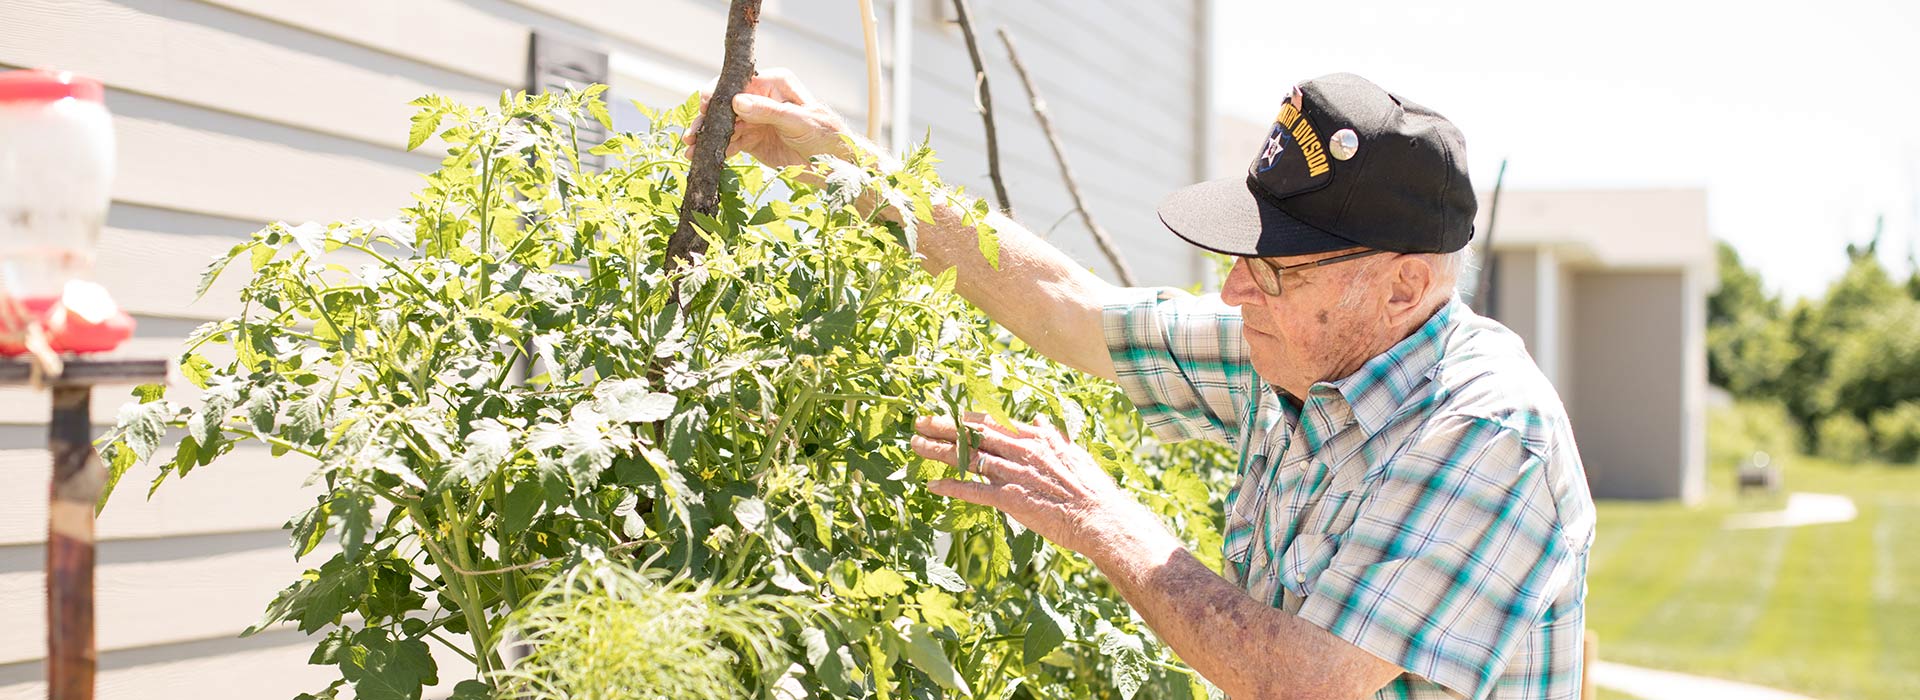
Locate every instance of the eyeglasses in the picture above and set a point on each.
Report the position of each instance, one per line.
(1267, 274)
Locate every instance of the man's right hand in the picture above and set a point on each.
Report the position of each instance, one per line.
(779, 122)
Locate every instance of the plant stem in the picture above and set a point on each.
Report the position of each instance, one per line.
(389, 262)
(469, 591)
(486, 221)
(778, 434)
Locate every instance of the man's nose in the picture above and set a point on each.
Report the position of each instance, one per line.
(1239, 289)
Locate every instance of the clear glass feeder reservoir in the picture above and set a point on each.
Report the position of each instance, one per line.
(56, 168)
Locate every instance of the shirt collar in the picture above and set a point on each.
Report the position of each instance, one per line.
(1376, 390)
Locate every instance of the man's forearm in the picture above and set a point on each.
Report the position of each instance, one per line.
(1037, 292)
(1247, 648)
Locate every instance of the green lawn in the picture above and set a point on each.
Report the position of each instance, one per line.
(1830, 611)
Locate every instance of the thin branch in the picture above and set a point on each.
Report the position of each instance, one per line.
(1100, 236)
(709, 155)
(983, 98)
(537, 563)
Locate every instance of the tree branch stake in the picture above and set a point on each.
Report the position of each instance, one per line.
(983, 98)
(1100, 236)
(709, 156)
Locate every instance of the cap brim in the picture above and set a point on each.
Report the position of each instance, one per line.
(1225, 216)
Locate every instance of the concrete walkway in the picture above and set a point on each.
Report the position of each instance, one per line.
(1648, 684)
(1802, 509)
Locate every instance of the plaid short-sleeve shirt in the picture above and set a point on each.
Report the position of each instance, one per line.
(1430, 508)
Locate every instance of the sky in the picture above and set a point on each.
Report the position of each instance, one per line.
(1801, 120)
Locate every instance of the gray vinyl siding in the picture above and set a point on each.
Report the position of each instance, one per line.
(231, 114)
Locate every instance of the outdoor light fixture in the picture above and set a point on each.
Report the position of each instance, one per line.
(56, 168)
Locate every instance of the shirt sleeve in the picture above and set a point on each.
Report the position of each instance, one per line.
(1455, 554)
(1182, 361)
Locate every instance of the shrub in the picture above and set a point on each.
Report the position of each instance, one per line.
(738, 423)
(1896, 432)
(1842, 437)
(1735, 432)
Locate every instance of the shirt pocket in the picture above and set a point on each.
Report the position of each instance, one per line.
(1305, 559)
(1335, 513)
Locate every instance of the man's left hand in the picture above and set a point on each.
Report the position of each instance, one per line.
(1035, 474)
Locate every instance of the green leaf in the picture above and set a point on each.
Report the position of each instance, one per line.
(304, 420)
(327, 653)
(926, 654)
(424, 122)
(319, 598)
(390, 593)
(352, 512)
(598, 109)
(751, 513)
(1127, 658)
(143, 425)
(523, 501)
(383, 668)
(309, 528)
(196, 369)
(672, 483)
(119, 459)
(945, 577)
(149, 393)
(880, 583)
(989, 244)
(471, 690)
(1046, 631)
(262, 410)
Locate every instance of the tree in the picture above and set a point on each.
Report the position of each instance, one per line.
(1748, 346)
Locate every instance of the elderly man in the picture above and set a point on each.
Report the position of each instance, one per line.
(1411, 518)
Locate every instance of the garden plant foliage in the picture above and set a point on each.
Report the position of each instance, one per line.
(530, 434)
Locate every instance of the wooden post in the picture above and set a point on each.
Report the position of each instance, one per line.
(72, 499)
(1589, 657)
(77, 478)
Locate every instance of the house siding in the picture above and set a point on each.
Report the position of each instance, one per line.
(231, 114)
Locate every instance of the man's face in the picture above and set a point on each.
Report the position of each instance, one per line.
(1307, 334)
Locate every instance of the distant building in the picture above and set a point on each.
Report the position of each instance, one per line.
(1609, 289)
(234, 113)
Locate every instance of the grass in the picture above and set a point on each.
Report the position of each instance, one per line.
(1830, 611)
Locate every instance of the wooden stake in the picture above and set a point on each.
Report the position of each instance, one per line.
(1100, 236)
(77, 479)
(983, 98)
(873, 70)
(709, 156)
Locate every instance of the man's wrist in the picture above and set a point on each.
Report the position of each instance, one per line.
(1129, 540)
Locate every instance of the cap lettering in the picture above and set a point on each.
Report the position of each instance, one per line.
(1311, 148)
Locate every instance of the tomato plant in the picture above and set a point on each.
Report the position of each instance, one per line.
(511, 400)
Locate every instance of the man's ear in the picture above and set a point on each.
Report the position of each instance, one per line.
(1412, 279)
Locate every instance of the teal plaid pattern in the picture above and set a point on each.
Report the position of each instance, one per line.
(1430, 508)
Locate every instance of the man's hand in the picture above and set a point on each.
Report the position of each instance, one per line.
(1038, 476)
(779, 122)
(1056, 489)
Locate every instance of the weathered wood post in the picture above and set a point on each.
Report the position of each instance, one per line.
(73, 496)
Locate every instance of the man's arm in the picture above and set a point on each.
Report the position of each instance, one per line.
(1249, 649)
(1044, 297)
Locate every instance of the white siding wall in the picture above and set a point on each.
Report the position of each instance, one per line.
(234, 113)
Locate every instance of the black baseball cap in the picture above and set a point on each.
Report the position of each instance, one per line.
(1346, 164)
